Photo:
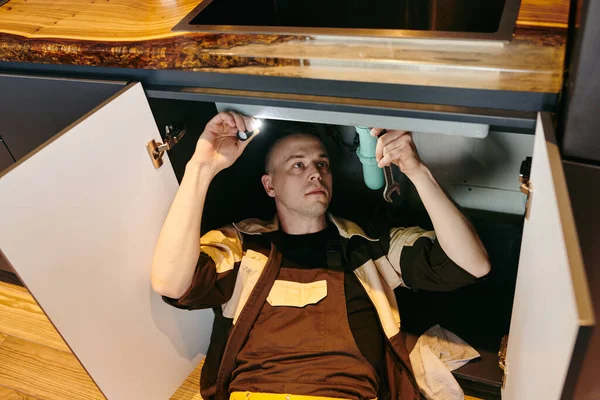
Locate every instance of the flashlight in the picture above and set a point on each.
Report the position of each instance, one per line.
(245, 135)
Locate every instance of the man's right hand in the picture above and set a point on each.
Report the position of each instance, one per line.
(219, 146)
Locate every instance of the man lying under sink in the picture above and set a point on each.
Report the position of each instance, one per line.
(305, 305)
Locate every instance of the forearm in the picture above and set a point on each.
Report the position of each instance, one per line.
(178, 246)
(456, 235)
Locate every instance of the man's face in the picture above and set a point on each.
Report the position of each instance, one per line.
(299, 177)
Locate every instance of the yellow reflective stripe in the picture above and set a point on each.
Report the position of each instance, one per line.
(276, 396)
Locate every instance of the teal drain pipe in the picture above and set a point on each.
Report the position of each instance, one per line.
(372, 174)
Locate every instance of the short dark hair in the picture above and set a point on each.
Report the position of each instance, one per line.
(294, 128)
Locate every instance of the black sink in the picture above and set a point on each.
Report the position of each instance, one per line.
(460, 19)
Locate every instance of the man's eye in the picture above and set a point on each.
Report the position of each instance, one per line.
(298, 165)
(322, 164)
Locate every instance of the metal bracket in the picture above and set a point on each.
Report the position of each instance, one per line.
(173, 134)
(526, 186)
(502, 358)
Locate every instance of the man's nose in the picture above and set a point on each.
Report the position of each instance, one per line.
(314, 173)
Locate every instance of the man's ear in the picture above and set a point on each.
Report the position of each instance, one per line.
(267, 182)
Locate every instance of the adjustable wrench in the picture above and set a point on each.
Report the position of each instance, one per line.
(391, 186)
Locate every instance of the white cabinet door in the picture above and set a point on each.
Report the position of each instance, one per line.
(552, 306)
(80, 219)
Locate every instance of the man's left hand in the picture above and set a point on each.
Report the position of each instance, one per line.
(397, 147)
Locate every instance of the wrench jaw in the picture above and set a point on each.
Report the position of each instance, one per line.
(389, 191)
(391, 185)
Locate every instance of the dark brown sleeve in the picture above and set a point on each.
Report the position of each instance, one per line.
(209, 289)
(426, 266)
(216, 271)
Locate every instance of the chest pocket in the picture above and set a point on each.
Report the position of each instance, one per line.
(296, 294)
(251, 266)
(293, 319)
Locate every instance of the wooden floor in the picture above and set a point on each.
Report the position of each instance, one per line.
(35, 363)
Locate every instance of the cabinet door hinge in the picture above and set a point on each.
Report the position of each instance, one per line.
(526, 185)
(173, 134)
(502, 358)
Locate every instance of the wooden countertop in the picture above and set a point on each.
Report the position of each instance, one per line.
(137, 34)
